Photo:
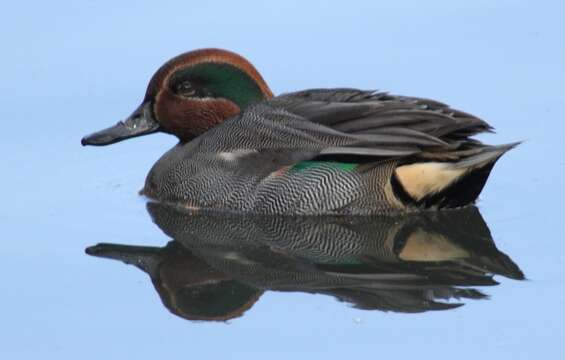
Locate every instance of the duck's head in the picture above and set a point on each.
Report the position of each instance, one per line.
(190, 94)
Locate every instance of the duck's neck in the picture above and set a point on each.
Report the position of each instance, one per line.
(203, 115)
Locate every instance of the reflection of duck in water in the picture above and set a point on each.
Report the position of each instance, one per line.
(219, 265)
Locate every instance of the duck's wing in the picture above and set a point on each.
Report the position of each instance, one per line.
(354, 123)
(388, 119)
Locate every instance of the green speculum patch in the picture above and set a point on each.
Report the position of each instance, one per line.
(306, 165)
(221, 81)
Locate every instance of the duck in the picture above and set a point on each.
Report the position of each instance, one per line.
(333, 151)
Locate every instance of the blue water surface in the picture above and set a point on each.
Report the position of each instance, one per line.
(71, 67)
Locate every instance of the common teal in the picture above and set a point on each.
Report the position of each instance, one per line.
(312, 152)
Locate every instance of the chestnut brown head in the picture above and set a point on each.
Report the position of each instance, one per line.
(190, 94)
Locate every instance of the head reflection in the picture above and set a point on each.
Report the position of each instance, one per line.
(219, 265)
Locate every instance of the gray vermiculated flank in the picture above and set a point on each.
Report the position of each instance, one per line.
(244, 163)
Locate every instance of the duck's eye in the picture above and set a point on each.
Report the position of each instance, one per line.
(185, 89)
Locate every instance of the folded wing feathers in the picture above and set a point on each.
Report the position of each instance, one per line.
(380, 151)
(382, 119)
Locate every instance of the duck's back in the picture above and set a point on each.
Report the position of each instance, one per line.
(330, 151)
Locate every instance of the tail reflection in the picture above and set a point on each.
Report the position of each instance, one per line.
(218, 266)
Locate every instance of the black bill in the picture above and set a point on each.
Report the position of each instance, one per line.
(140, 123)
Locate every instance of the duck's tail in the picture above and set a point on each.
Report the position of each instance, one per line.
(447, 184)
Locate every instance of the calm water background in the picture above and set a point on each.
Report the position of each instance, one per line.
(69, 68)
